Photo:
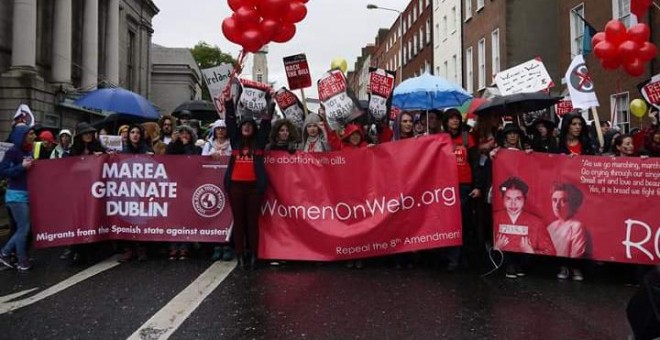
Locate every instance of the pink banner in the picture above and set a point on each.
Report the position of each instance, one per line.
(128, 197)
(601, 208)
(391, 198)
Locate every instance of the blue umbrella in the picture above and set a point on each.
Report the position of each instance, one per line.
(121, 101)
(428, 92)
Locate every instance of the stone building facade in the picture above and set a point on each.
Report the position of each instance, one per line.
(51, 51)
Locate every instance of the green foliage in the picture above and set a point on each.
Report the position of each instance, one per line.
(208, 56)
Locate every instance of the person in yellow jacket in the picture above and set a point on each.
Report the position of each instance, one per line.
(45, 146)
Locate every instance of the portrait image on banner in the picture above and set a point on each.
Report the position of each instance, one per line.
(599, 208)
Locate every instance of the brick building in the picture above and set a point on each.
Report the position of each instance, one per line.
(417, 38)
(499, 34)
(615, 89)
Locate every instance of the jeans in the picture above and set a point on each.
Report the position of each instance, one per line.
(18, 241)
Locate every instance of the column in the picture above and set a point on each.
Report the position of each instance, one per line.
(90, 46)
(62, 28)
(24, 35)
(112, 43)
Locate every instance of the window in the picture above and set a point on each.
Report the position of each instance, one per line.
(468, 9)
(444, 28)
(577, 29)
(415, 44)
(437, 32)
(428, 31)
(446, 74)
(621, 10)
(620, 103)
(495, 51)
(421, 39)
(427, 66)
(130, 60)
(453, 19)
(481, 59)
(469, 70)
(410, 52)
(454, 64)
(405, 54)
(437, 70)
(480, 4)
(414, 13)
(260, 77)
(410, 21)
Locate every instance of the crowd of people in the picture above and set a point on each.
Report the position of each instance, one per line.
(246, 140)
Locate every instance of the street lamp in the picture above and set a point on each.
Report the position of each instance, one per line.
(372, 6)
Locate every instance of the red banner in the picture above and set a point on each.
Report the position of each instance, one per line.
(600, 208)
(297, 72)
(128, 197)
(391, 198)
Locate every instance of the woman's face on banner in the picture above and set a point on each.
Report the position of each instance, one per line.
(514, 201)
(406, 124)
(576, 127)
(560, 206)
(283, 133)
(312, 130)
(134, 136)
(627, 148)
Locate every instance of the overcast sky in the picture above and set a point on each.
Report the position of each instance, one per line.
(332, 28)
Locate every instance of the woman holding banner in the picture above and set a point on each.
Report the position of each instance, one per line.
(245, 180)
(183, 145)
(135, 145)
(283, 136)
(314, 138)
(574, 136)
(404, 126)
(14, 166)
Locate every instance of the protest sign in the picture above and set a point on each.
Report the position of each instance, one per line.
(113, 143)
(216, 79)
(381, 85)
(340, 108)
(297, 72)
(530, 76)
(290, 106)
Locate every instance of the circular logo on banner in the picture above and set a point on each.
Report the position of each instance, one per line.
(581, 79)
(208, 200)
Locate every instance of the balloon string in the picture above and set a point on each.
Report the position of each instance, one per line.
(235, 72)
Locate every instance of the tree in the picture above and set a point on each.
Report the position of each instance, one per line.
(207, 56)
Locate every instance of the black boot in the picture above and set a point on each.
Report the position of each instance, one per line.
(253, 261)
(241, 261)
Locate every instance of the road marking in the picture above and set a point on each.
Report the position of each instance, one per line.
(163, 324)
(98, 268)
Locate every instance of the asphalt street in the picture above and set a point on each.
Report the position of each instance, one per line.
(199, 299)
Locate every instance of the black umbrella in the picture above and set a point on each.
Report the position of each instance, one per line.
(517, 104)
(199, 109)
(115, 120)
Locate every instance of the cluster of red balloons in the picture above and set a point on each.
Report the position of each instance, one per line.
(255, 23)
(630, 48)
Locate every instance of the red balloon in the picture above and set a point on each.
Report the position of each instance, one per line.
(628, 50)
(610, 64)
(273, 9)
(598, 37)
(247, 17)
(236, 4)
(297, 12)
(252, 41)
(615, 32)
(605, 50)
(634, 67)
(269, 27)
(639, 7)
(648, 51)
(286, 32)
(231, 30)
(639, 33)
(305, 1)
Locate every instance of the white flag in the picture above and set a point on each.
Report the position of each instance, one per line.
(580, 85)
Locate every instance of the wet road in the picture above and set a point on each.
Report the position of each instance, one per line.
(303, 300)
